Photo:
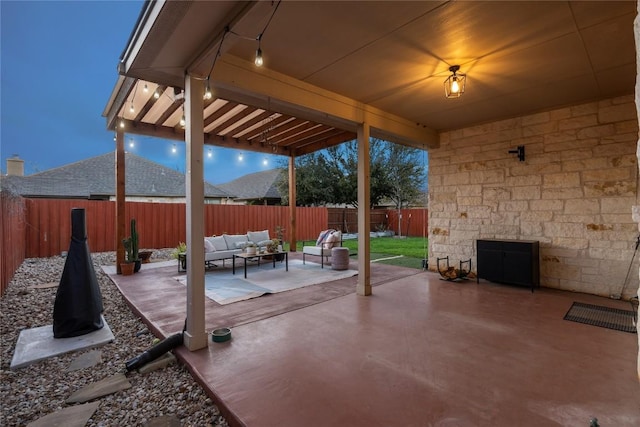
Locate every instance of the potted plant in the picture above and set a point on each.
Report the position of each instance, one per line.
(180, 253)
(251, 248)
(127, 267)
(131, 249)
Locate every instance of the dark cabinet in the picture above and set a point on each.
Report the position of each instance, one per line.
(514, 262)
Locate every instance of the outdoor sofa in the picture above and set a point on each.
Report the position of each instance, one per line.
(221, 248)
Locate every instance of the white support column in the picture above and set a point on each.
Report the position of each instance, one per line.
(195, 337)
(364, 214)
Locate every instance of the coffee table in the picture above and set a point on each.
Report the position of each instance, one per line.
(259, 256)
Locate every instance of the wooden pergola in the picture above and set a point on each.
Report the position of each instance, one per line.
(339, 71)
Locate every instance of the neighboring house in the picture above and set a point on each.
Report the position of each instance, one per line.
(259, 188)
(94, 179)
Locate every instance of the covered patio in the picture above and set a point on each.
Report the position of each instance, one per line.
(420, 352)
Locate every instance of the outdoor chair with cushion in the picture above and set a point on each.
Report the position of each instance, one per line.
(326, 241)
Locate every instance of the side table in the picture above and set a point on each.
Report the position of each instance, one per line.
(339, 258)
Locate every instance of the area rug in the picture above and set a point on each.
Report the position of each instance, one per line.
(225, 288)
(605, 317)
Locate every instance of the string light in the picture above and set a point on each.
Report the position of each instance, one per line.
(131, 144)
(240, 157)
(182, 119)
(145, 88)
(156, 93)
(210, 153)
(131, 109)
(121, 123)
(259, 60)
(207, 91)
(174, 149)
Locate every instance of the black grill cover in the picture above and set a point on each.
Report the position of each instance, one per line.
(78, 304)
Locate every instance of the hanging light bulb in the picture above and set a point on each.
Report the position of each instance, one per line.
(131, 109)
(131, 144)
(182, 120)
(265, 161)
(455, 83)
(210, 153)
(259, 61)
(207, 91)
(121, 123)
(174, 149)
(156, 93)
(240, 157)
(145, 88)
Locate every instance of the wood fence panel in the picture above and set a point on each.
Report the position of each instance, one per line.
(13, 226)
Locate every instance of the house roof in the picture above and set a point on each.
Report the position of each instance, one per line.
(258, 185)
(95, 178)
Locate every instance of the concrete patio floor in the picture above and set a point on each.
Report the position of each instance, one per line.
(419, 352)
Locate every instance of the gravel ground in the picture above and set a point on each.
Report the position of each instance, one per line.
(32, 392)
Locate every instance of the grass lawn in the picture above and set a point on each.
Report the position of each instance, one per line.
(409, 251)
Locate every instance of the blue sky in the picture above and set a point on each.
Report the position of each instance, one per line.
(58, 67)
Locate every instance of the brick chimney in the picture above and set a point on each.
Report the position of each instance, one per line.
(15, 166)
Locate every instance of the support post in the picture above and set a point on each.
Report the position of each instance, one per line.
(195, 337)
(293, 234)
(364, 215)
(120, 198)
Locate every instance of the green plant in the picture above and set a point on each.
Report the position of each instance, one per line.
(273, 246)
(180, 249)
(128, 249)
(280, 232)
(134, 240)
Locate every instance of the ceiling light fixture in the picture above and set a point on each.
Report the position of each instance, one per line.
(455, 83)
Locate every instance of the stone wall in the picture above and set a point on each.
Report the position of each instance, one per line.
(573, 192)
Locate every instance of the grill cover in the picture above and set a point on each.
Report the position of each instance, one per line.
(78, 306)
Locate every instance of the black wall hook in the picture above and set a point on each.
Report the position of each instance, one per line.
(519, 151)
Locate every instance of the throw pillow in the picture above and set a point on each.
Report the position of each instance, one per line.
(323, 236)
(208, 246)
(331, 240)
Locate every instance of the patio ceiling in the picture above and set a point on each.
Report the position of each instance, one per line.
(331, 65)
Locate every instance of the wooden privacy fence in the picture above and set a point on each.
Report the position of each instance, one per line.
(38, 228)
(12, 219)
(160, 225)
(413, 222)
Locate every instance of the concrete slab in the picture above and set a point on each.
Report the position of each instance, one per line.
(101, 388)
(37, 344)
(73, 416)
(85, 360)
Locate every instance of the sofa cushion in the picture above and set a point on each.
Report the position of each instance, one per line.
(233, 240)
(208, 246)
(218, 243)
(258, 236)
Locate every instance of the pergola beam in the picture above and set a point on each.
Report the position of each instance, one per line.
(240, 81)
